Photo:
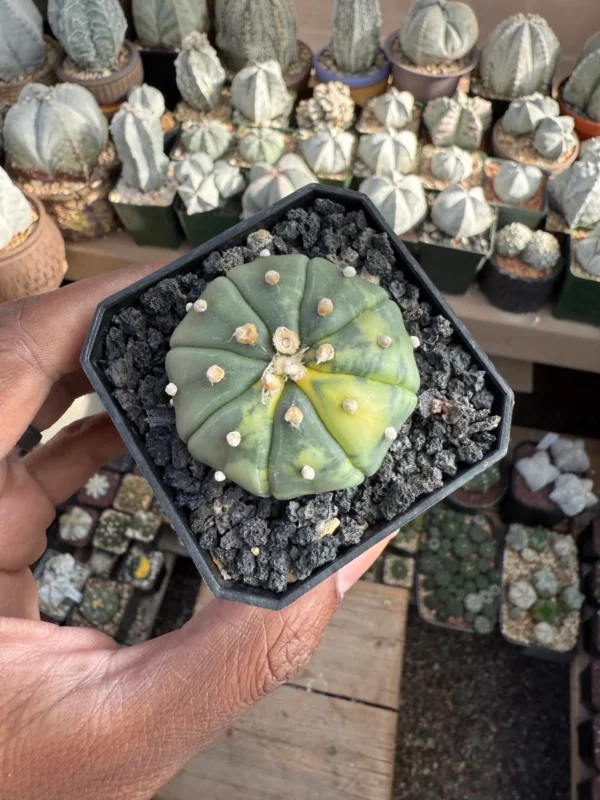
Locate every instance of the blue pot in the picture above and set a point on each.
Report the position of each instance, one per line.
(362, 87)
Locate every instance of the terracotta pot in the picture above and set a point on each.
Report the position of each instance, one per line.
(362, 87)
(38, 264)
(500, 152)
(112, 90)
(585, 127)
(10, 91)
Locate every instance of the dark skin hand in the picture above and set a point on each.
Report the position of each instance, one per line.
(79, 717)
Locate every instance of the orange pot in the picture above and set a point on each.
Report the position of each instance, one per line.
(585, 127)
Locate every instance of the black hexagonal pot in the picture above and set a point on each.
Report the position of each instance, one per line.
(93, 350)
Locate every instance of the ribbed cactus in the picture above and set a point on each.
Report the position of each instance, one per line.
(22, 47)
(329, 151)
(588, 253)
(200, 75)
(204, 185)
(513, 239)
(576, 193)
(436, 31)
(388, 151)
(284, 384)
(462, 213)
(270, 183)
(92, 32)
(582, 90)
(166, 23)
(542, 252)
(209, 136)
(356, 35)
(400, 199)
(256, 30)
(147, 97)
(590, 150)
(261, 145)
(259, 92)
(520, 57)
(394, 109)
(524, 115)
(452, 164)
(516, 183)
(139, 140)
(331, 104)
(15, 211)
(58, 131)
(458, 120)
(555, 137)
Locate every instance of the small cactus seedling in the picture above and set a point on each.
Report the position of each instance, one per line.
(545, 583)
(356, 35)
(101, 602)
(138, 137)
(545, 611)
(543, 251)
(582, 90)
(147, 97)
(555, 137)
(270, 183)
(205, 185)
(520, 57)
(516, 183)
(388, 151)
(517, 538)
(537, 471)
(22, 47)
(576, 193)
(513, 239)
(571, 598)
(200, 75)
(269, 365)
(458, 120)
(259, 92)
(261, 145)
(209, 136)
(16, 215)
(524, 115)
(452, 165)
(544, 633)
(438, 31)
(573, 494)
(331, 104)
(522, 595)
(588, 253)
(400, 199)
(394, 109)
(92, 32)
(462, 213)
(166, 23)
(329, 151)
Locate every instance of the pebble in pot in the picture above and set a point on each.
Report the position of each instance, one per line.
(329, 153)
(272, 182)
(458, 120)
(331, 104)
(385, 152)
(580, 94)
(400, 198)
(259, 96)
(200, 78)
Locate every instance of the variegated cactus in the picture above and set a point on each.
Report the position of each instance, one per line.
(256, 30)
(576, 194)
(270, 183)
(516, 183)
(582, 90)
(452, 164)
(356, 35)
(22, 48)
(147, 97)
(55, 132)
(259, 92)
(588, 253)
(389, 151)
(139, 140)
(200, 75)
(555, 137)
(210, 136)
(331, 104)
(400, 199)
(261, 145)
(394, 109)
(436, 31)
(462, 213)
(166, 23)
(524, 115)
(329, 151)
(92, 32)
(458, 120)
(542, 251)
(520, 57)
(295, 379)
(205, 185)
(16, 215)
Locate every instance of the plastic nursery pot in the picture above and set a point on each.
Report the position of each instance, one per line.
(579, 299)
(422, 85)
(159, 71)
(151, 226)
(585, 127)
(501, 152)
(200, 228)
(362, 87)
(475, 501)
(94, 349)
(529, 508)
(10, 90)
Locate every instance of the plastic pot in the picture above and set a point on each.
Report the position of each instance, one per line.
(151, 226)
(159, 71)
(93, 354)
(585, 127)
(514, 509)
(579, 298)
(451, 269)
(362, 87)
(200, 228)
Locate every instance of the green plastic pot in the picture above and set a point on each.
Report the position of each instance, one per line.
(150, 226)
(579, 299)
(200, 228)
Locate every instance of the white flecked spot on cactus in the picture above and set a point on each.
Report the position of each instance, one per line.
(215, 374)
(543, 251)
(325, 307)
(261, 145)
(573, 494)
(588, 253)
(458, 120)
(255, 551)
(537, 470)
(356, 35)
(308, 473)
(204, 185)
(555, 137)
(570, 455)
(452, 164)
(92, 32)
(582, 90)
(327, 527)
(246, 334)
(391, 434)
(199, 73)
(325, 353)
(349, 272)
(329, 151)
(462, 213)
(394, 109)
(389, 151)
(270, 183)
(209, 136)
(522, 595)
(220, 476)
(189, 306)
(576, 193)
(294, 416)
(166, 23)
(590, 150)
(259, 92)
(544, 634)
(147, 97)
(400, 199)
(200, 306)
(350, 406)
(516, 183)
(16, 215)
(171, 389)
(384, 341)
(331, 104)
(234, 438)
(21, 39)
(139, 140)
(272, 277)
(525, 114)
(435, 32)
(416, 342)
(513, 239)
(286, 341)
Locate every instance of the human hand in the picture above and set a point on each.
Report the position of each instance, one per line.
(79, 717)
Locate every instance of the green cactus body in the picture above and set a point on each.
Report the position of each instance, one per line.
(304, 393)
(484, 482)
(436, 31)
(91, 31)
(101, 603)
(21, 39)
(582, 90)
(167, 22)
(356, 34)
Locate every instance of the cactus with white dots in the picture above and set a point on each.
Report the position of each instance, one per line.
(356, 34)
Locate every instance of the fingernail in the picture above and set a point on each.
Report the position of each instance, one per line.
(352, 572)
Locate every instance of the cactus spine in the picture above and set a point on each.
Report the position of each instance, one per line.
(582, 90)
(462, 213)
(270, 183)
(166, 23)
(200, 75)
(356, 35)
(436, 31)
(21, 39)
(400, 198)
(259, 92)
(204, 185)
(139, 140)
(458, 120)
(92, 32)
(516, 183)
(16, 215)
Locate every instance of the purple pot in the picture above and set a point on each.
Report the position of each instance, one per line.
(362, 87)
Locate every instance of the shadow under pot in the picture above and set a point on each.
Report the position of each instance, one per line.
(532, 212)
(150, 225)
(362, 87)
(200, 228)
(523, 505)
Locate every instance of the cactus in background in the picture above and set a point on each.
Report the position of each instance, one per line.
(329, 151)
(554, 137)
(55, 131)
(590, 150)
(573, 494)
(400, 199)
(436, 31)
(276, 408)
(542, 252)
(356, 35)
(138, 137)
(262, 145)
(524, 115)
(520, 57)
(394, 109)
(270, 183)
(588, 253)
(92, 32)
(208, 136)
(204, 185)
(388, 151)
(22, 48)
(571, 598)
(576, 193)
(166, 23)
(461, 213)
(331, 104)
(516, 183)
(251, 30)
(582, 90)
(147, 97)
(200, 75)
(259, 92)
(16, 215)
(458, 120)
(452, 164)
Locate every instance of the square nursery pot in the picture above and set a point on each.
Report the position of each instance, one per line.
(94, 349)
(579, 299)
(200, 228)
(151, 226)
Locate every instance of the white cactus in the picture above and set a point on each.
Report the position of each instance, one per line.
(590, 149)
(588, 253)
(516, 183)
(209, 136)
(582, 90)
(394, 109)
(91, 31)
(262, 145)
(200, 75)
(524, 115)
(452, 165)
(166, 23)
(458, 120)
(555, 137)
(356, 34)
(389, 151)
(22, 48)
(329, 151)
(462, 213)
(16, 215)
(259, 92)
(576, 193)
(436, 31)
(204, 185)
(270, 183)
(139, 140)
(400, 199)
(148, 97)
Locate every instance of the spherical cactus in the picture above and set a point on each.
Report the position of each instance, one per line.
(16, 215)
(331, 104)
(452, 164)
(461, 213)
(394, 109)
(458, 120)
(329, 151)
(200, 75)
(400, 199)
(517, 538)
(554, 137)
(356, 35)
(588, 253)
(389, 151)
(522, 595)
(261, 145)
(542, 252)
(92, 32)
(100, 603)
(166, 23)
(209, 136)
(513, 239)
(296, 414)
(259, 92)
(545, 583)
(436, 31)
(205, 185)
(139, 140)
(572, 598)
(520, 57)
(516, 183)
(147, 97)
(576, 193)
(524, 115)
(21, 39)
(590, 149)
(544, 634)
(270, 183)
(582, 90)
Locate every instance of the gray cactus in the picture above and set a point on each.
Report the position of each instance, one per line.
(517, 538)
(545, 583)
(570, 455)
(582, 90)
(139, 140)
(542, 252)
(516, 183)
(452, 165)
(209, 136)
(537, 471)
(356, 35)
(576, 193)
(590, 150)
(256, 30)
(588, 253)
(16, 215)
(22, 48)
(572, 598)
(148, 97)
(166, 23)
(522, 595)
(513, 239)
(544, 634)
(259, 92)
(388, 151)
(55, 131)
(436, 31)
(204, 185)
(331, 104)
(520, 57)
(458, 120)
(462, 213)
(329, 151)
(92, 32)
(262, 145)
(555, 137)
(573, 494)
(394, 109)
(270, 183)
(400, 199)
(524, 115)
(200, 75)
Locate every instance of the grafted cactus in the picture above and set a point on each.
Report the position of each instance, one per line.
(436, 31)
(520, 57)
(458, 120)
(590, 150)
(582, 90)
(204, 185)
(200, 75)
(166, 23)
(256, 30)
(22, 47)
(588, 253)
(209, 136)
(542, 251)
(513, 239)
(462, 213)
(15, 211)
(389, 151)
(274, 379)
(262, 145)
(516, 183)
(400, 199)
(576, 193)
(452, 164)
(555, 137)
(329, 151)
(92, 32)
(524, 115)
(356, 34)
(259, 92)
(55, 131)
(147, 97)
(270, 183)
(394, 109)
(139, 140)
(331, 104)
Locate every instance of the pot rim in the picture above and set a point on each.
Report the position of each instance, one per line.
(387, 49)
(353, 81)
(115, 76)
(32, 239)
(583, 122)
